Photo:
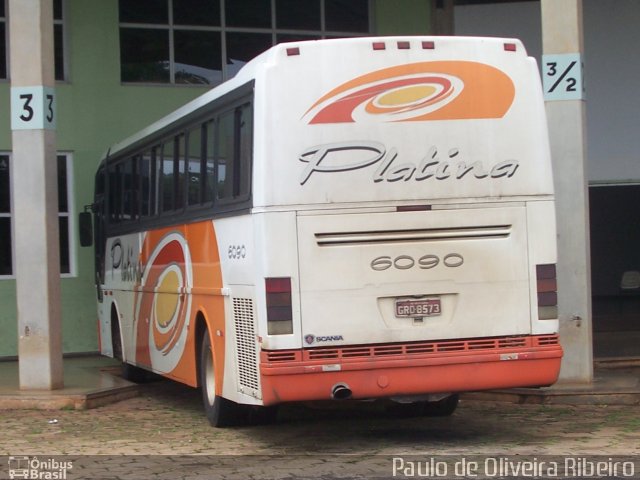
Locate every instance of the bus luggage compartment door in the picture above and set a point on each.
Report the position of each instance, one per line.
(408, 276)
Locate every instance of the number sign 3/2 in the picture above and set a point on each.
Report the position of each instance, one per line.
(33, 108)
(562, 77)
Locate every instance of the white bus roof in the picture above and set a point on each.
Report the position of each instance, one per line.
(270, 57)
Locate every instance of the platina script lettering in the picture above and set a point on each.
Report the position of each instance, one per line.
(350, 156)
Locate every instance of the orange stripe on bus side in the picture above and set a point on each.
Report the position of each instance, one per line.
(206, 299)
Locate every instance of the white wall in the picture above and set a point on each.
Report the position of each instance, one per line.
(612, 71)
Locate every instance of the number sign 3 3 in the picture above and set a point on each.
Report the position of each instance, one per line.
(33, 108)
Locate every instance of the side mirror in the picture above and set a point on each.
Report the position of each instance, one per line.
(85, 222)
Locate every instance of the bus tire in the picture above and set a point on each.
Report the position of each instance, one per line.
(127, 371)
(219, 411)
(116, 343)
(441, 408)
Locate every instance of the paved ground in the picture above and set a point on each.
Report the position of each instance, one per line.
(167, 419)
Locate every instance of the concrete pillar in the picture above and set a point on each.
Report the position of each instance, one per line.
(35, 194)
(562, 34)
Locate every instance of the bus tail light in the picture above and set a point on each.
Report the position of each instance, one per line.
(279, 311)
(547, 291)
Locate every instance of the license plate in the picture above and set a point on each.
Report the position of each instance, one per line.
(424, 307)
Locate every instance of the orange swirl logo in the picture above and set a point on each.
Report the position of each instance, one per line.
(163, 306)
(450, 90)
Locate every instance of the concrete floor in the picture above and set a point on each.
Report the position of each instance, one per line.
(613, 384)
(93, 381)
(89, 382)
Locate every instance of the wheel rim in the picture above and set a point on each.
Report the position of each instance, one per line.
(209, 376)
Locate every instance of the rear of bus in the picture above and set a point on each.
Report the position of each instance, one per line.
(403, 220)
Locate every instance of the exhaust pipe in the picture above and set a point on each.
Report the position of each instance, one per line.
(341, 391)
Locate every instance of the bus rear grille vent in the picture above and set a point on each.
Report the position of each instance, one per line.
(403, 349)
(548, 340)
(281, 356)
(327, 353)
(452, 346)
(356, 352)
(384, 350)
(246, 346)
(418, 235)
(416, 348)
(482, 344)
(512, 342)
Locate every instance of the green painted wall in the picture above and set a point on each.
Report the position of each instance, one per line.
(95, 111)
(402, 17)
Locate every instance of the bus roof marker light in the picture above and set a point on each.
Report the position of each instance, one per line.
(404, 45)
(379, 46)
(413, 208)
(293, 51)
(509, 47)
(429, 45)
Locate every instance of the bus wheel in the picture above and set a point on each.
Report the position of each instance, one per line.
(128, 372)
(116, 343)
(220, 411)
(441, 408)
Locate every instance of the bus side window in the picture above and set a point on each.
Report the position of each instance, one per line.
(209, 163)
(130, 188)
(195, 164)
(145, 184)
(167, 176)
(156, 180)
(115, 193)
(245, 147)
(225, 156)
(180, 172)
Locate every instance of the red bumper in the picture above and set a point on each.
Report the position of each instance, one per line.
(387, 370)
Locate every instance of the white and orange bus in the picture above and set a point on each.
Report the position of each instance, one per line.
(353, 218)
